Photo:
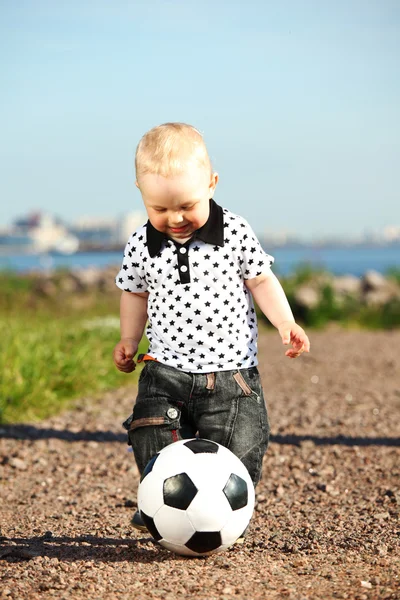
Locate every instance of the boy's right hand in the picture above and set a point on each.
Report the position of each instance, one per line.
(123, 355)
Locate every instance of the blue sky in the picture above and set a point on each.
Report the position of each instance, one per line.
(298, 101)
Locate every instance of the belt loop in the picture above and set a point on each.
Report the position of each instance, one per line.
(210, 381)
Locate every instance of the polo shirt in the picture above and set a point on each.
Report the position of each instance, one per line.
(201, 316)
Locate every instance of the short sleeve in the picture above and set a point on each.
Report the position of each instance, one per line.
(131, 277)
(254, 260)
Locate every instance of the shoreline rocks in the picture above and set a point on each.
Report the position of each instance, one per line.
(371, 290)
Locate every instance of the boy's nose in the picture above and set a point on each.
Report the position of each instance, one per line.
(176, 218)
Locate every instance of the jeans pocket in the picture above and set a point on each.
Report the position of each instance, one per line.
(142, 383)
(126, 424)
(249, 383)
(155, 424)
(246, 389)
(144, 373)
(154, 412)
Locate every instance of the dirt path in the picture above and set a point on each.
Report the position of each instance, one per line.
(326, 521)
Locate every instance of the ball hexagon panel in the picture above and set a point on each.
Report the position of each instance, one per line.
(150, 493)
(209, 510)
(179, 491)
(207, 470)
(180, 549)
(173, 525)
(173, 460)
(234, 463)
(236, 525)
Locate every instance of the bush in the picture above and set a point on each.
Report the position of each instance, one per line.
(348, 310)
(394, 274)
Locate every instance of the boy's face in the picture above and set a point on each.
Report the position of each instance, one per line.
(178, 205)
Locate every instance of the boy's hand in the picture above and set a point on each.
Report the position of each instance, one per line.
(292, 333)
(123, 355)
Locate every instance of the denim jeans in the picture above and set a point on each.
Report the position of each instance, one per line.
(227, 407)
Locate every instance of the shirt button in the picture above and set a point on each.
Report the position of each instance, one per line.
(184, 268)
(182, 250)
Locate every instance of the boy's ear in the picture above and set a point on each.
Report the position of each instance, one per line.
(213, 182)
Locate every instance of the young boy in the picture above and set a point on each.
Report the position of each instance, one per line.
(192, 272)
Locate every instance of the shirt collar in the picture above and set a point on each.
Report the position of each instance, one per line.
(212, 232)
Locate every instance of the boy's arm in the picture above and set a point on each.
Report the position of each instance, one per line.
(270, 297)
(133, 317)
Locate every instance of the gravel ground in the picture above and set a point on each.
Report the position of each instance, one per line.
(326, 519)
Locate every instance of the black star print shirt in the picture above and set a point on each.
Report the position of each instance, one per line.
(201, 317)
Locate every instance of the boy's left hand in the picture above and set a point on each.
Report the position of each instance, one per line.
(291, 333)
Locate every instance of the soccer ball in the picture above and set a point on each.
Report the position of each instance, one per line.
(196, 497)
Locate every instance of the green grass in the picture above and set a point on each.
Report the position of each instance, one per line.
(47, 361)
(57, 347)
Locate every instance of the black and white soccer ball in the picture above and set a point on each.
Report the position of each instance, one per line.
(196, 497)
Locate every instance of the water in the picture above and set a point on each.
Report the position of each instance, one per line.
(339, 261)
(45, 262)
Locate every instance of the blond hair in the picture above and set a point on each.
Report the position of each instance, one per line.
(169, 149)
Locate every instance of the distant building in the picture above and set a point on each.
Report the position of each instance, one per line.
(128, 223)
(28, 222)
(105, 232)
(95, 231)
(391, 233)
(38, 233)
(50, 235)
